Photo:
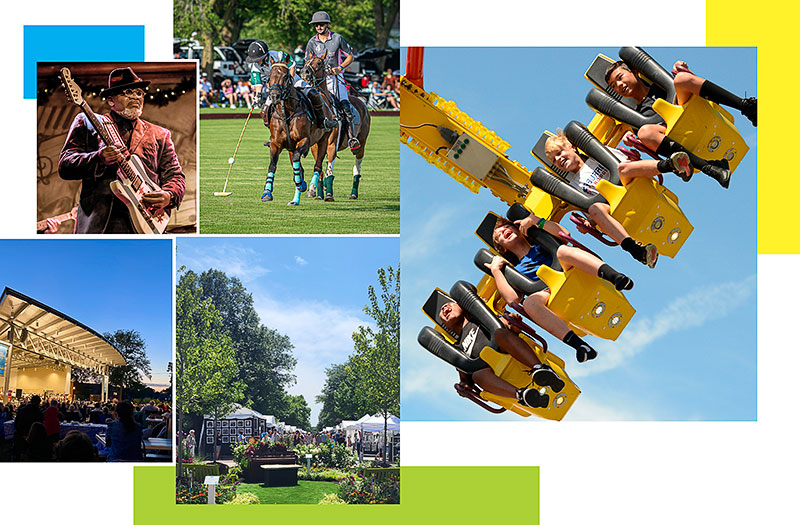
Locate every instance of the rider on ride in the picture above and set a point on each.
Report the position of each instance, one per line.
(335, 45)
(261, 59)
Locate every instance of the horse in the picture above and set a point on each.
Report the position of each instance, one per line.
(291, 128)
(314, 73)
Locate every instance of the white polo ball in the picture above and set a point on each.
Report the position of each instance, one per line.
(231, 160)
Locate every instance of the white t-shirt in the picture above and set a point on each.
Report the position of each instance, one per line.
(590, 174)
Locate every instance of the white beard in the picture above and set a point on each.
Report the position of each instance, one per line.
(130, 113)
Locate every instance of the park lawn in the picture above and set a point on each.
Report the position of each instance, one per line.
(305, 492)
(376, 211)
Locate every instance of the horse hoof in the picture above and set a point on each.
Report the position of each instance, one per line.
(311, 193)
(293, 203)
(318, 197)
(266, 196)
(353, 197)
(329, 197)
(266, 143)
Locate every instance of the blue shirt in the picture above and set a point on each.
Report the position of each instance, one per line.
(535, 257)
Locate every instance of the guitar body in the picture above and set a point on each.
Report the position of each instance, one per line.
(143, 221)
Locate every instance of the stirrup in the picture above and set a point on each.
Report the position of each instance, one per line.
(353, 144)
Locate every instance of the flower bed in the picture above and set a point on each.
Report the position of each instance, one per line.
(368, 490)
(197, 493)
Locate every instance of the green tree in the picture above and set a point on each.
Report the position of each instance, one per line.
(264, 357)
(297, 413)
(339, 397)
(132, 347)
(283, 24)
(206, 381)
(376, 361)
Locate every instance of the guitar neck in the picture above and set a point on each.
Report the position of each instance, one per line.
(42, 225)
(101, 129)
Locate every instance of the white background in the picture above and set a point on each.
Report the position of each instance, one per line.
(651, 473)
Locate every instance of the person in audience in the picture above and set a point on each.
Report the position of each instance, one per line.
(76, 446)
(124, 436)
(39, 447)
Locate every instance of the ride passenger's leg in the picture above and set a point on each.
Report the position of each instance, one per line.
(535, 305)
(687, 84)
(653, 136)
(487, 380)
(601, 215)
(512, 344)
(571, 257)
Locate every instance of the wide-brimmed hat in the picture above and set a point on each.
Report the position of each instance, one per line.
(320, 17)
(121, 79)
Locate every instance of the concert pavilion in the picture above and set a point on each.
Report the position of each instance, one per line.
(40, 346)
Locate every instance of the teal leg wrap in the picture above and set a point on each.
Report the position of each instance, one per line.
(298, 177)
(267, 195)
(356, 180)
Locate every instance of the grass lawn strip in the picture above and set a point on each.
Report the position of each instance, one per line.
(305, 492)
(376, 211)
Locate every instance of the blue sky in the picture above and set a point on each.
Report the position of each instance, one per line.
(108, 285)
(312, 289)
(689, 353)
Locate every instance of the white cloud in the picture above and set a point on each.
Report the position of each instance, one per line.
(321, 334)
(233, 259)
(299, 260)
(690, 311)
(434, 234)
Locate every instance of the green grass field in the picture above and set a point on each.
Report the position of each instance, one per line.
(376, 211)
(305, 492)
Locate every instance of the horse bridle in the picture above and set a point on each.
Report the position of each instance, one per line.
(316, 82)
(283, 88)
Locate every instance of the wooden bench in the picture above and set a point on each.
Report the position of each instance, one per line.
(280, 475)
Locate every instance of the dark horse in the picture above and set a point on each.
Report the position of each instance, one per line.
(314, 73)
(291, 128)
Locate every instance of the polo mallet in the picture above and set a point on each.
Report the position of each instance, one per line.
(231, 160)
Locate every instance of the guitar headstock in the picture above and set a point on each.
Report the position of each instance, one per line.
(73, 91)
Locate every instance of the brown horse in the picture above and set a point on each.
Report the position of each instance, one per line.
(291, 128)
(314, 73)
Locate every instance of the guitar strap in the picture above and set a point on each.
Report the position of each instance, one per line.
(111, 127)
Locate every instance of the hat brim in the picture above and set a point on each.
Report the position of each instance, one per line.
(313, 23)
(119, 89)
(253, 60)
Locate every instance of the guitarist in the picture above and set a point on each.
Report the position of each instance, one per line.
(87, 158)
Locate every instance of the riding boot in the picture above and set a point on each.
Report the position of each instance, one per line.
(319, 116)
(350, 113)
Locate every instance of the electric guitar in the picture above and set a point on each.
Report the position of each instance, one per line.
(41, 226)
(133, 181)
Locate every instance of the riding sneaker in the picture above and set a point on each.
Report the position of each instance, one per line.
(648, 254)
(681, 165)
(531, 397)
(585, 353)
(543, 375)
(750, 109)
(718, 170)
